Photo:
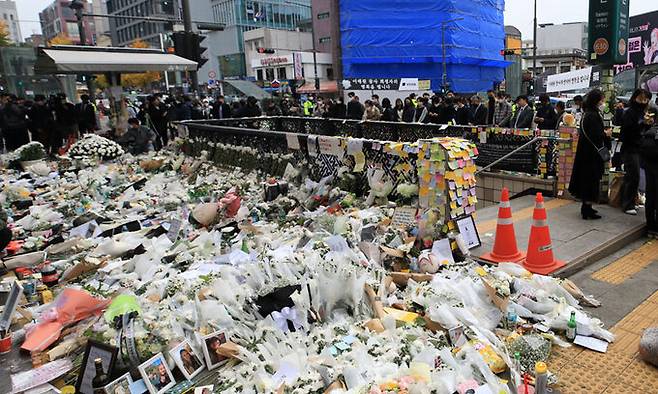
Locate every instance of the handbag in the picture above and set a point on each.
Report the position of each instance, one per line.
(603, 152)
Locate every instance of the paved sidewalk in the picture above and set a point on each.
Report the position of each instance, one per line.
(626, 283)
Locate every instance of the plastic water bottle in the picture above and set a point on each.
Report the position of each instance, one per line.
(511, 318)
(541, 378)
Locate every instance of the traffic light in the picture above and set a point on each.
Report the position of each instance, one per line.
(180, 44)
(508, 52)
(196, 50)
(188, 45)
(266, 50)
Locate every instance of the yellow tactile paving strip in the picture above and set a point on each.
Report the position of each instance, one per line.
(526, 213)
(619, 370)
(629, 265)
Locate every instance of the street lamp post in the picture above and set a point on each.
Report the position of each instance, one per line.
(79, 7)
(444, 77)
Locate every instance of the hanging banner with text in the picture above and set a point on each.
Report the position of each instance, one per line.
(582, 79)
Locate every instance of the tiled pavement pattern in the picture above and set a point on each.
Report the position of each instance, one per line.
(626, 280)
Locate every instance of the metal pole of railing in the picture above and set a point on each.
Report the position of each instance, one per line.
(518, 149)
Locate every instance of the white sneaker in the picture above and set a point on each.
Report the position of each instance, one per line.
(631, 212)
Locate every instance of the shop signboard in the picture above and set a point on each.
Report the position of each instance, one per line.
(608, 32)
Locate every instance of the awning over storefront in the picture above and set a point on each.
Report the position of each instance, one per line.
(95, 60)
(325, 87)
(247, 88)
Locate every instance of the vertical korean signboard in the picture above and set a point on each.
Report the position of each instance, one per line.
(608, 31)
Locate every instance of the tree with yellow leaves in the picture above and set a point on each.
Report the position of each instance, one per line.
(60, 39)
(5, 41)
(140, 80)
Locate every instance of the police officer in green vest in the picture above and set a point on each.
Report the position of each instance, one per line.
(308, 106)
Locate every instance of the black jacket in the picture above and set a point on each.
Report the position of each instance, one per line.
(224, 113)
(480, 115)
(40, 117)
(249, 111)
(588, 166)
(14, 116)
(491, 107)
(355, 110)
(550, 117)
(390, 115)
(632, 127)
(338, 111)
(522, 118)
(462, 115)
(447, 113)
(408, 114)
(136, 140)
(86, 116)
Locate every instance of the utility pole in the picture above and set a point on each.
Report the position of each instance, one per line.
(315, 57)
(444, 77)
(187, 24)
(534, 51)
(79, 7)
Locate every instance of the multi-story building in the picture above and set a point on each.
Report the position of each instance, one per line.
(226, 50)
(513, 72)
(291, 58)
(9, 15)
(59, 18)
(126, 31)
(326, 25)
(560, 48)
(35, 40)
(102, 25)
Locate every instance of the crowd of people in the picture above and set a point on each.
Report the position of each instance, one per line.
(639, 152)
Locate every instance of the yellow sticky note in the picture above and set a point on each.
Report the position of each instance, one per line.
(360, 161)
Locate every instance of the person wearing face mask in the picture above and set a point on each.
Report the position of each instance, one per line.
(633, 124)
(588, 164)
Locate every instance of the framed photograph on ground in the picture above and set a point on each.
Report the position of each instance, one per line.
(211, 344)
(156, 374)
(93, 351)
(468, 230)
(119, 386)
(203, 389)
(187, 360)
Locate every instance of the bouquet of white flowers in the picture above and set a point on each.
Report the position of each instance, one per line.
(92, 145)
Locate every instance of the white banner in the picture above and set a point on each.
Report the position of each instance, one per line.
(409, 84)
(572, 80)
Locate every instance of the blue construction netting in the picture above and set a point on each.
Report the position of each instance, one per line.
(402, 39)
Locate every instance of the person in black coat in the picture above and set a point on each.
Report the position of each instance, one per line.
(355, 109)
(462, 113)
(14, 124)
(250, 110)
(41, 121)
(522, 118)
(491, 106)
(409, 111)
(649, 158)
(632, 126)
(478, 111)
(447, 112)
(221, 110)
(546, 115)
(86, 115)
(388, 114)
(157, 118)
(338, 110)
(588, 167)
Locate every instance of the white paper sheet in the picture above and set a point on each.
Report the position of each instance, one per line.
(591, 343)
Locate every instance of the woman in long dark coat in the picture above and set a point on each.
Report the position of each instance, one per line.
(588, 167)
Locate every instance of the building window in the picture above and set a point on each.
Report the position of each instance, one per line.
(269, 74)
(565, 69)
(330, 73)
(323, 15)
(324, 40)
(281, 71)
(259, 75)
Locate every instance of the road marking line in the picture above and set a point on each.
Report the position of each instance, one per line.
(629, 265)
(526, 213)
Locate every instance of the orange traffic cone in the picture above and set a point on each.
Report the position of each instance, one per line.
(504, 250)
(540, 259)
